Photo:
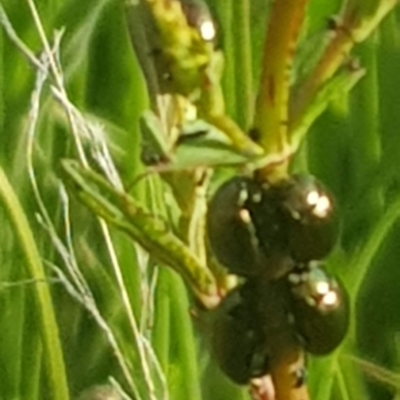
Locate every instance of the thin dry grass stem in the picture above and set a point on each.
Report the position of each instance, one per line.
(42, 76)
(115, 384)
(132, 320)
(58, 76)
(101, 154)
(88, 302)
(78, 288)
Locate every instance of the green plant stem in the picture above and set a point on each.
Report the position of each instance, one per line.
(161, 331)
(282, 376)
(189, 387)
(1, 82)
(47, 321)
(271, 114)
(357, 22)
(243, 64)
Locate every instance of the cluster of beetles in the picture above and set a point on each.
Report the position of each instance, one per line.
(274, 236)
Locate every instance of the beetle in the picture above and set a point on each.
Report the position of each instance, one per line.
(320, 305)
(266, 228)
(253, 330)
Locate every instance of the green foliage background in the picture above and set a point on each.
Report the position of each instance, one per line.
(354, 148)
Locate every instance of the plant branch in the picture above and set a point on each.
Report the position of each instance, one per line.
(356, 23)
(271, 118)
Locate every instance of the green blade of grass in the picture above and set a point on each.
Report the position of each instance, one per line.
(185, 383)
(48, 325)
(224, 9)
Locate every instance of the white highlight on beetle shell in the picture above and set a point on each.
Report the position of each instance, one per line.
(243, 195)
(257, 197)
(322, 288)
(330, 299)
(315, 290)
(244, 215)
(207, 30)
(321, 203)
